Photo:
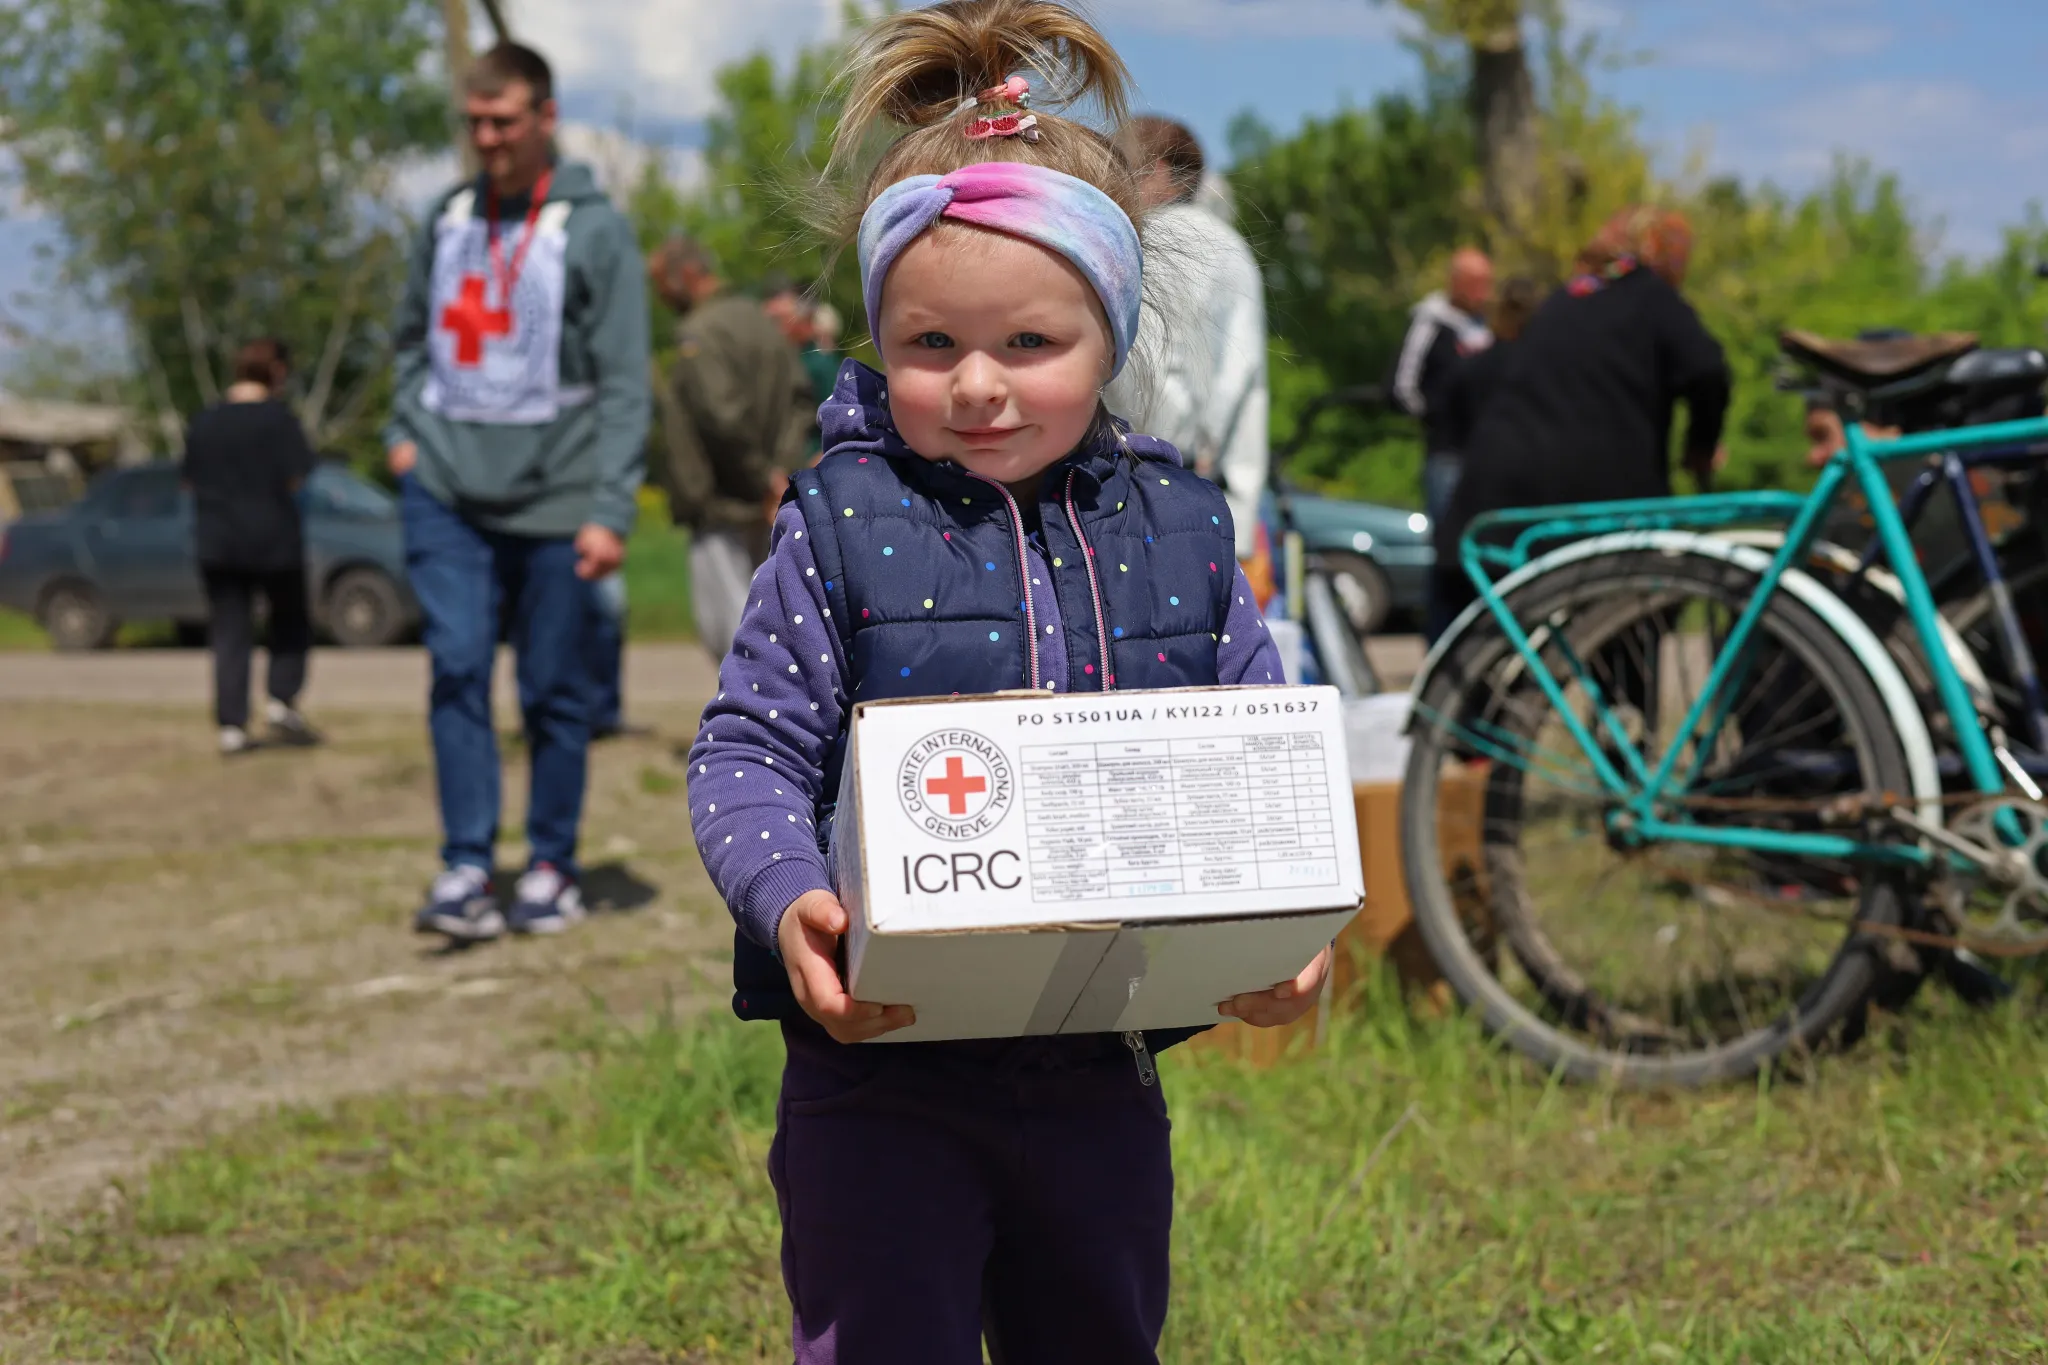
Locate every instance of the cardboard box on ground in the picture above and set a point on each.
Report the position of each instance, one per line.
(1028, 863)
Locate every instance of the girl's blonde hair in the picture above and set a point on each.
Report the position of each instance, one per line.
(915, 69)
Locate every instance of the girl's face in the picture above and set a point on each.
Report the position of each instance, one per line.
(996, 349)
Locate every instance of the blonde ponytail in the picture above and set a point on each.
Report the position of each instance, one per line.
(914, 70)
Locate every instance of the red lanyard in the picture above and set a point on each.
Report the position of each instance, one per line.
(508, 280)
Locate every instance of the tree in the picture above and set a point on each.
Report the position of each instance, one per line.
(1501, 96)
(1353, 217)
(225, 168)
(766, 146)
(1350, 217)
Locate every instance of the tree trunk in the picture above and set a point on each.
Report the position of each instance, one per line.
(1505, 117)
(455, 19)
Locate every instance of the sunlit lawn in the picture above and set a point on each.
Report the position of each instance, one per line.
(1404, 1194)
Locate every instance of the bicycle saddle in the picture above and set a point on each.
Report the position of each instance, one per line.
(2005, 366)
(1883, 361)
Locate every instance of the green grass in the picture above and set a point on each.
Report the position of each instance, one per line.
(19, 630)
(658, 578)
(1404, 1194)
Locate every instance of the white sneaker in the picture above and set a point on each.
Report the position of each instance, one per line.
(234, 740)
(287, 726)
(460, 907)
(544, 902)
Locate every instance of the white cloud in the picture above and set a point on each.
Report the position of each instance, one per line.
(1354, 19)
(620, 161)
(1960, 152)
(663, 54)
(1778, 49)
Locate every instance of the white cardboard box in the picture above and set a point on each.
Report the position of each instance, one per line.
(1028, 863)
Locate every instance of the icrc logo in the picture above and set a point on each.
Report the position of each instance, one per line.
(956, 784)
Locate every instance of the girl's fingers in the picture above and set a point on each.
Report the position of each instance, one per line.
(1312, 976)
(821, 910)
(885, 1021)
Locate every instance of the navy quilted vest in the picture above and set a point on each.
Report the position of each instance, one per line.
(924, 568)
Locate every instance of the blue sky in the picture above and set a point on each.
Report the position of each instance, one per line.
(1953, 96)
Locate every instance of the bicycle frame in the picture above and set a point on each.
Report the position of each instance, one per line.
(1640, 797)
(1954, 472)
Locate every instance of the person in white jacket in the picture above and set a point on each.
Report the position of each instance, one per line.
(1199, 377)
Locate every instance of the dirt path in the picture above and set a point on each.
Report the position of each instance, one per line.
(184, 941)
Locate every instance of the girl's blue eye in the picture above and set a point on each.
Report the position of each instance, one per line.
(937, 341)
(1028, 341)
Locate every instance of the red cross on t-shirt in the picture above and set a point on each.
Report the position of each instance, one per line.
(956, 786)
(471, 321)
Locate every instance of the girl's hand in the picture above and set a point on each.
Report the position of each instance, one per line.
(809, 938)
(1284, 1003)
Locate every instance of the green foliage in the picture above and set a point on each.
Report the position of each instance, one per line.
(224, 170)
(1346, 216)
(1407, 1192)
(1355, 215)
(765, 151)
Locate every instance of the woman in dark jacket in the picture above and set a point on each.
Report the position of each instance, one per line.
(245, 461)
(1583, 409)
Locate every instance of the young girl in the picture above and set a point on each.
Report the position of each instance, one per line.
(978, 522)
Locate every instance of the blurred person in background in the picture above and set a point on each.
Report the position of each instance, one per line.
(1446, 328)
(1199, 380)
(1473, 382)
(516, 434)
(1582, 410)
(821, 358)
(246, 460)
(736, 414)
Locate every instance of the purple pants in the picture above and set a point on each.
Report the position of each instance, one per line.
(931, 1192)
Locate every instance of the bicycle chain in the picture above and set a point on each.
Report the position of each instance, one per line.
(1846, 810)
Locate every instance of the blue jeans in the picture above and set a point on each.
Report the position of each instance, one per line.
(607, 646)
(465, 578)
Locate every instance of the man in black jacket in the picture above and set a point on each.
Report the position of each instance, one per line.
(1445, 328)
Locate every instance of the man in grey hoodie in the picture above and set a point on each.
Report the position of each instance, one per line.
(521, 409)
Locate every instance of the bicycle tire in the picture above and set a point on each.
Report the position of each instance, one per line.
(1882, 896)
(1339, 650)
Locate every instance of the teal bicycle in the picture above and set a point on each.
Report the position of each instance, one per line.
(1711, 806)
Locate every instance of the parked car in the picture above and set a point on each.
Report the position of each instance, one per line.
(1378, 558)
(124, 552)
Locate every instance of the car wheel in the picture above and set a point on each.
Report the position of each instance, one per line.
(1361, 589)
(77, 619)
(190, 634)
(364, 610)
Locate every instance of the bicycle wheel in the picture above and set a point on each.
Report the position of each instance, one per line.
(1653, 963)
(1338, 647)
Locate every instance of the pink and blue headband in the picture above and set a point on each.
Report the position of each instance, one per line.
(1053, 209)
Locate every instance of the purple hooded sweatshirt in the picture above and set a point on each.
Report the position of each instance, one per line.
(757, 768)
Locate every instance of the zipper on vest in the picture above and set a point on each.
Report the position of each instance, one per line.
(1148, 1073)
(1094, 588)
(1023, 574)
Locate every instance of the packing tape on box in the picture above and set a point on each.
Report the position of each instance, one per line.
(1097, 975)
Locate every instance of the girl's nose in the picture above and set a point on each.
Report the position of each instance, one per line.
(978, 382)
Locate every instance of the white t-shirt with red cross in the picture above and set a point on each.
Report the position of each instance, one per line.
(494, 360)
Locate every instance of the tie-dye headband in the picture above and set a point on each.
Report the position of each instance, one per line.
(1050, 208)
